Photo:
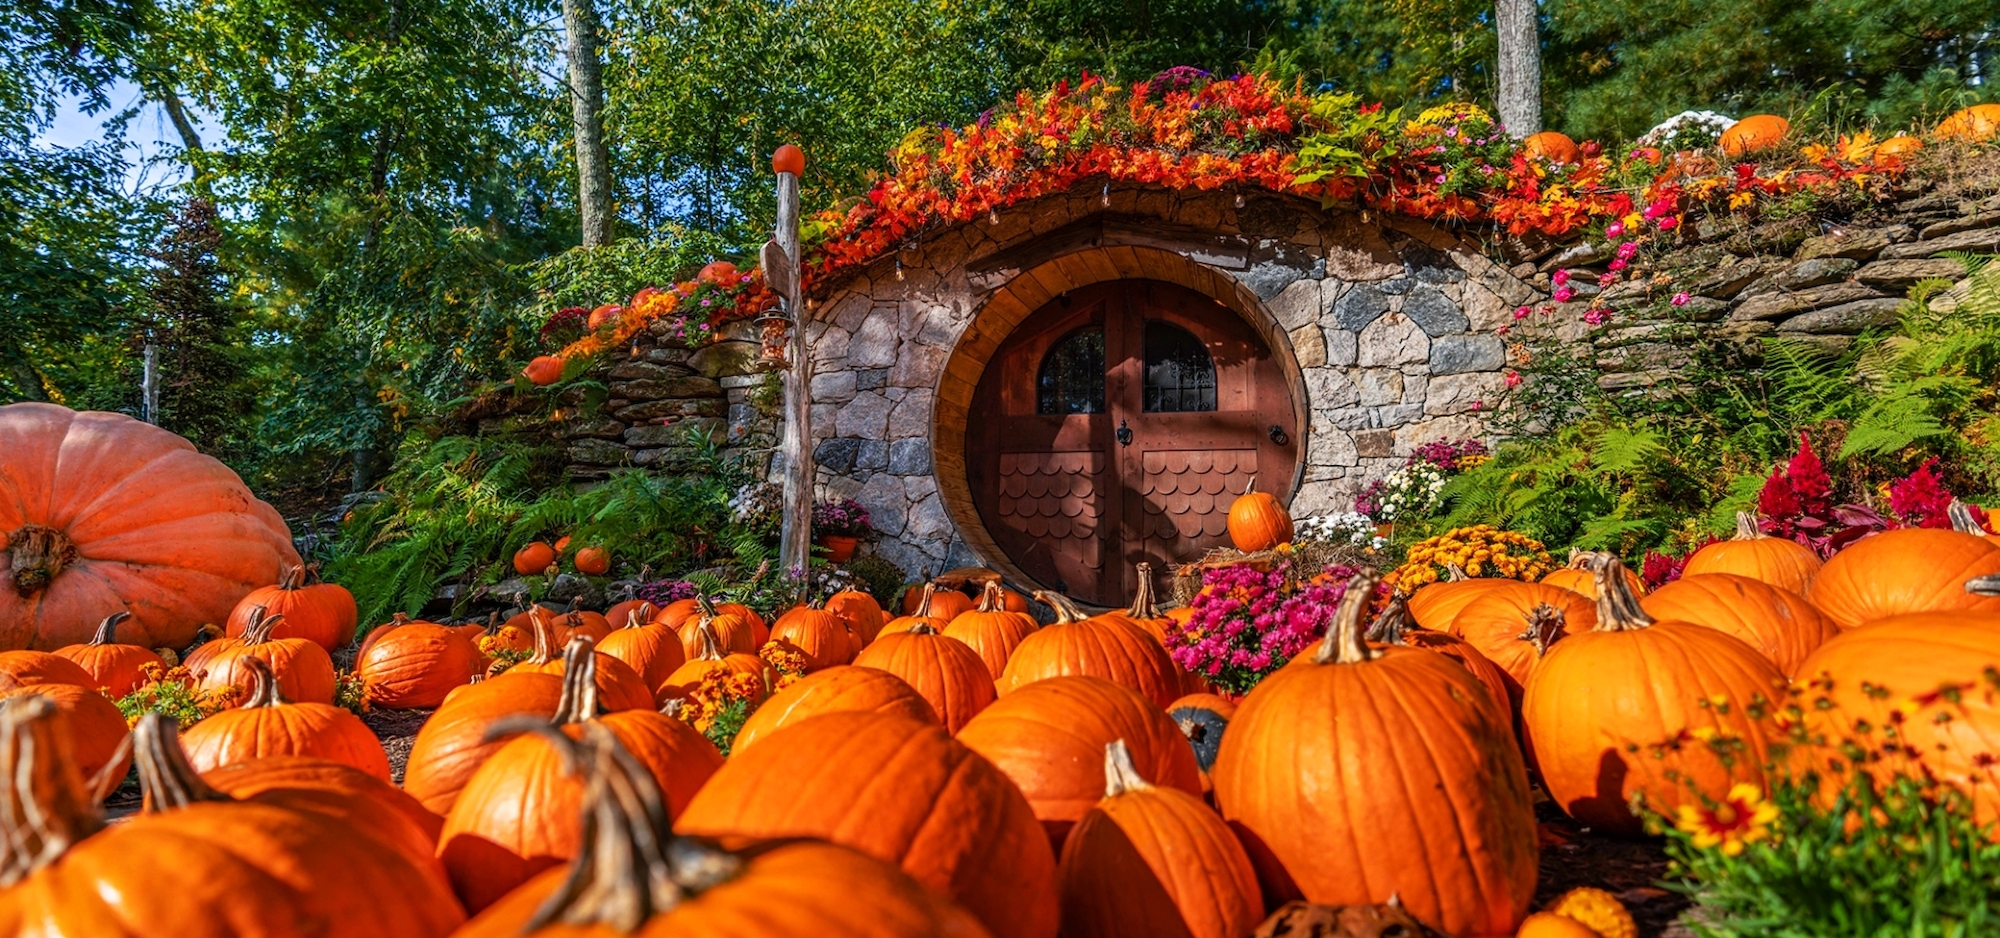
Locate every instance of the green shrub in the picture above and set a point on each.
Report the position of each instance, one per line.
(878, 578)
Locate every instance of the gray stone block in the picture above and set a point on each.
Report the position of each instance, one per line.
(726, 358)
(631, 370)
(1814, 272)
(1845, 319)
(1436, 313)
(1457, 354)
(660, 389)
(1779, 303)
(1902, 274)
(1982, 240)
(1341, 346)
(871, 379)
(874, 454)
(1359, 306)
(1859, 244)
(591, 452)
(910, 457)
(660, 410)
(837, 454)
(1392, 341)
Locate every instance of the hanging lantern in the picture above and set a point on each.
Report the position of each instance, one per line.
(772, 328)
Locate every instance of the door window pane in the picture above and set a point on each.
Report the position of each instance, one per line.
(1180, 375)
(1072, 376)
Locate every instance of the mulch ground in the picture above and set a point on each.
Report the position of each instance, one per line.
(1628, 869)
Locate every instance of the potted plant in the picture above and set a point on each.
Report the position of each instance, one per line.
(839, 527)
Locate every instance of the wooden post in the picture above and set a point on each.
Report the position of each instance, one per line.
(795, 537)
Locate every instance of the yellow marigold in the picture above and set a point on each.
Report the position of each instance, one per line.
(1454, 113)
(1741, 817)
(783, 656)
(1597, 910)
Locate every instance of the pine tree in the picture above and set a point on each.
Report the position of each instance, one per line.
(201, 340)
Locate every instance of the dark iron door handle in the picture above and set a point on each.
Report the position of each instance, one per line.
(1124, 434)
(1279, 436)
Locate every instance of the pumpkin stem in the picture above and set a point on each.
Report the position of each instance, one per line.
(1988, 585)
(711, 644)
(107, 630)
(1545, 625)
(1747, 528)
(261, 623)
(1453, 573)
(1248, 486)
(1143, 605)
(291, 577)
(704, 607)
(1392, 621)
(1344, 643)
(989, 598)
(673, 707)
(545, 640)
(1617, 609)
(923, 628)
(631, 866)
(579, 688)
(1066, 611)
(639, 615)
(45, 807)
(1120, 775)
(1962, 519)
(39, 555)
(924, 600)
(166, 779)
(263, 683)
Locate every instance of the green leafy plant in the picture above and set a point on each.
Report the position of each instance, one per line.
(728, 721)
(880, 578)
(171, 692)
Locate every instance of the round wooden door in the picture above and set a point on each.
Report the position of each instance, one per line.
(1115, 425)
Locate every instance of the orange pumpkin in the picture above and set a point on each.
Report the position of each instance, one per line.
(1514, 623)
(1153, 860)
(1781, 562)
(1900, 572)
(107, 514)
(900, 790)
(1576, 578)
(111, 666)
(788, 158)
(247, 780)
(991, 630)
(1898, 147)
(304, 670)
(93, 728)
(862, 614)
(27, 668)
(1552, 146)
(1257, 521)
(323, 612)
(1202, 720)
(453, 743)
(544, 370)
(519, 813)
(945, 671)
(593, 561)
(1755, 133)
(712, 659)
(934, 608)
(649, 648)
(1394, 627)
(618, 686)
(834, 690)
(416, 664)
(1928, 675)
(629, 861)
(534, 559)
(1665, 711)
(1436, 605)
(1976, 123)
(269, 725)
(199, 862)
(1551, 925)
(1778, 623)
(1119, 652)
(718, 273)
(817, 634)
(1144, 611)
(1043, 737)
(732, 631)
(604, 315)
(621, 612)
(1438, 813)
(592, 625)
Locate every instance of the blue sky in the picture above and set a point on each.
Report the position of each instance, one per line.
(148, 135)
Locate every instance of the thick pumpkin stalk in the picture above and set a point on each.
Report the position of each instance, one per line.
(1545, 625)
(292, 577)
(1066, 610)
(39, 554)
(990, 599)
(1617, 609)
(923, 628)
(1984, 586)
(259, 630)
(640, 615)
(107, 630)
(1961, 517)
(1747, 528)
(1392, 621)
(545, 639)
(579, 684)
(1345, 641)
(263, 684)
(1143, 604)
(166, 779)
(1120, 775)
(711, 644)
(923, 610)
(46, 806)
(631, 866)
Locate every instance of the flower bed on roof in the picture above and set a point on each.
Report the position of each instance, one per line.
(1184, 129)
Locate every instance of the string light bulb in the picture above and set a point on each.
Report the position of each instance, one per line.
(1106, 198)
(899, 268)
(993, 216)
(1239, 200)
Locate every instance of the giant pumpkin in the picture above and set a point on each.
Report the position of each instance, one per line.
(1777, 622)
(1663, 711)
(100, 513)
(519, 812)
(1394, 627)
(1900, 572)
(1045, 735)
(1112, 649)
(269, 725)
(1152, 860)
(1370, 772)
(834, 690)
(1781, 562)
(900, 790)
(633, 877)
(197, 862)
(946, 671)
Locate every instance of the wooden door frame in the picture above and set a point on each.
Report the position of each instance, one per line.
(1069, 266)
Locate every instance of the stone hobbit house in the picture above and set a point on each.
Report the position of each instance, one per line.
(1084, 381)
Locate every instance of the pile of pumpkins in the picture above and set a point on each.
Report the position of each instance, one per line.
(1761, 133)
(956, 768)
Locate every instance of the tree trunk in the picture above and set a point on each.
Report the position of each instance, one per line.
(586, 97)
(1520, 66)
